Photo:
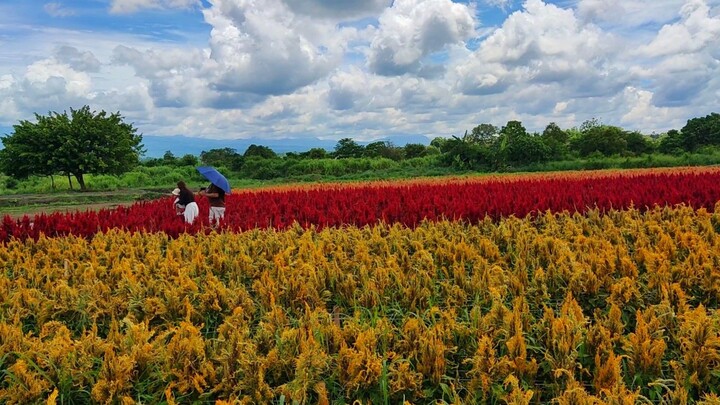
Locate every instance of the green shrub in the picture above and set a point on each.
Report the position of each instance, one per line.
(11, 183)
(103, 182)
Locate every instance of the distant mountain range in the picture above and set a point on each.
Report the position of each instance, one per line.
(156, 146)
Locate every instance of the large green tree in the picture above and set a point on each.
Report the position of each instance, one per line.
(518, 147)
(464, 154)
(79, 143)
(701, 131)
(605, 139)
(225, 157)
(25, 152)
(348, 148)
(484, 134)
(636, 143)
(671, 143)
(556, 140)
(260, 151)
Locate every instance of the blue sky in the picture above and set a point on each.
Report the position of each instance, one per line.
(364, 69)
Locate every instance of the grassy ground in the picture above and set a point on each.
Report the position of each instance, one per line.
(18, 205)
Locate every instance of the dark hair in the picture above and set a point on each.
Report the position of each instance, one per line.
(181, 185)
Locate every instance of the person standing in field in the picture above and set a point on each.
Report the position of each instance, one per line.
(216, 198)
(179, 208)
(186, 199)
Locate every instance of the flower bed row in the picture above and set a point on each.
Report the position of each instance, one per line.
(407, 203)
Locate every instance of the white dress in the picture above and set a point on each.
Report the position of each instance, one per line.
(191, 212)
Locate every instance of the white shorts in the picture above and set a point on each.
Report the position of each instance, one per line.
(217, 213)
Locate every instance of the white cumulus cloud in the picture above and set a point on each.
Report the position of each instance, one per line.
(262, 47)
(542, 45)
(696, 31)
(411, 30)
(364, 69)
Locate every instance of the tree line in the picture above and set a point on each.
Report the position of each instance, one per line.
(87, 142)
(484, 148)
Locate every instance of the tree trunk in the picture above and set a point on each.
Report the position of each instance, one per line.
(70, 181)
(80, 180)
(52, 182)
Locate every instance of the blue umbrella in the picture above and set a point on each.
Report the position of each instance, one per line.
(215, 177)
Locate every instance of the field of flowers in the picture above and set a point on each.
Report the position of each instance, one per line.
(570, 289)
(406, 202)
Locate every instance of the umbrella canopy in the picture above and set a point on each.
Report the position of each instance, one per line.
(215, 177)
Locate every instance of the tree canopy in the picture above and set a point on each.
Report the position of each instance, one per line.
(227, 157)
(701, 131)
(348, 148)
(75, 144)
(260, 151)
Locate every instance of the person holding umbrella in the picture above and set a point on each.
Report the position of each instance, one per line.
(216, 198)
(215, 192)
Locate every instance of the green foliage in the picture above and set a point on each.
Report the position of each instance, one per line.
(462, 154)
(427, 161)
(431, 151)
(605, 139)
(414, 150)
(227, 157)
(527, 149)
(314, 153)
(438, 143)
(11, 183)
(637, 143)
(312, 166)
(590, 124)
(169, 159)
(556, 140)
(591, 146)
(358, 165)
(84, 142)
(151, 162)
(25, 151)
(188, 160)
(710, 156)
(519, 147)
(609, 140)
(383, 149)
(671, 143)
(347, 148)
(257, 167)
(701, 131)
(484, 134)
(263, 152)
(137, 177)
(163, 176)
(105, 182)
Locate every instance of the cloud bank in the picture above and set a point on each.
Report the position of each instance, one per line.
(364, 69)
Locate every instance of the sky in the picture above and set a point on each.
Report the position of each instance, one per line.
(360, 69)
